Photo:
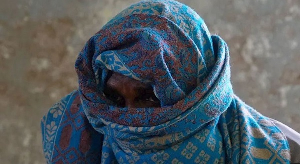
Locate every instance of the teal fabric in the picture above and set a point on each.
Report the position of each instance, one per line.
(166, 44)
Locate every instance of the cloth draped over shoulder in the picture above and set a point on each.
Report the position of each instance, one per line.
(165, 44)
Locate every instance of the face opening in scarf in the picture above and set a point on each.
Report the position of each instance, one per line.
(127, 92)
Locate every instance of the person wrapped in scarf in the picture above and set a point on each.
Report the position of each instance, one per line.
(154, 87)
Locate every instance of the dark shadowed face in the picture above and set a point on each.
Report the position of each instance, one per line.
(128, 92)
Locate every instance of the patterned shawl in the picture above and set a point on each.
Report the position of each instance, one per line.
(167, 45)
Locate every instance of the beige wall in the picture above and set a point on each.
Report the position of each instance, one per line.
(39, 42)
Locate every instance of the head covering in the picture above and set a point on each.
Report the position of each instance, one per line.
(165, 44)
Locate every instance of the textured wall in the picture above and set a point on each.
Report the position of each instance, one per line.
(39, 42)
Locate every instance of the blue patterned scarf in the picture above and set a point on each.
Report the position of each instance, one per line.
(167, 45)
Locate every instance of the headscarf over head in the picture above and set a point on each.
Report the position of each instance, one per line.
(163, 43)
(166, 44)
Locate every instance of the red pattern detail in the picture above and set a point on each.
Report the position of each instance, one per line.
(59, 162)
(85, 141)
(75, 105)
(70, 155)
(65, 137)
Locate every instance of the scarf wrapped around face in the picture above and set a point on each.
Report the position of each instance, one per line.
(167, 45)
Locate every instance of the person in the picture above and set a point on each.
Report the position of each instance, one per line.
(154, 87)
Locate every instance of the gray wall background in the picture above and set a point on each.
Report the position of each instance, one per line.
(40, 40)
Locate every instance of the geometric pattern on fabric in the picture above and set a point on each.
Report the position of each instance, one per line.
(68, 137)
